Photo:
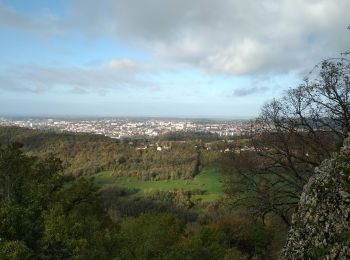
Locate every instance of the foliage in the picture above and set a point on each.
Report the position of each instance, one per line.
(85, 154)
(41, 212)
(207, 244)
(69, 234)
(11, 250)
(248, 236)
(190, 136)
(149, 236)
(46, 215)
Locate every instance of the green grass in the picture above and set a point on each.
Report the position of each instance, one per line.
(209, 180)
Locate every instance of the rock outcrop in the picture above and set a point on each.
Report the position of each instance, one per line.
(321, 225)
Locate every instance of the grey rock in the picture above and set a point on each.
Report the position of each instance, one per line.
(321, 225)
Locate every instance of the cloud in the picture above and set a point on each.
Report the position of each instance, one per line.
(221, 37)
(43, 25)
(122, 64)
(116, 74)
(242, 92)
(230, 37)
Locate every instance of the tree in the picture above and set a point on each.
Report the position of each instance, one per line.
(44, 215)
(207, 244)
(14, 250)
(75, 225)
(27, 185)
(297, 132)
(149, 236)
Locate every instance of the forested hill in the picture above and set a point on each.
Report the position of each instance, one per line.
(85, 154)
(34, 139)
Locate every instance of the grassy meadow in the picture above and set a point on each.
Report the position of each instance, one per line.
(210, 182)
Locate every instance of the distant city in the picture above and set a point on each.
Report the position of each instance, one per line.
(128, 127)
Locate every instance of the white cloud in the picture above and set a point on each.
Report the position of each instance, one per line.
(239, 58)
(115, 75)
(122, 64)
(228, 36)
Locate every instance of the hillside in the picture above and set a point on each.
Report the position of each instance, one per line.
(86, 154)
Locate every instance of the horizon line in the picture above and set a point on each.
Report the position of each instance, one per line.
(131, 116)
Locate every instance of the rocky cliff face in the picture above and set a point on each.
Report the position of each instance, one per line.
(321, 225)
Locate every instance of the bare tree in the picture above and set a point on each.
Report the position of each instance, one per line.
(297, 132)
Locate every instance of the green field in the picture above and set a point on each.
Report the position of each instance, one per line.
(209, 180)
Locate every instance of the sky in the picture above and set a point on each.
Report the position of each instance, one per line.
(183, 58)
